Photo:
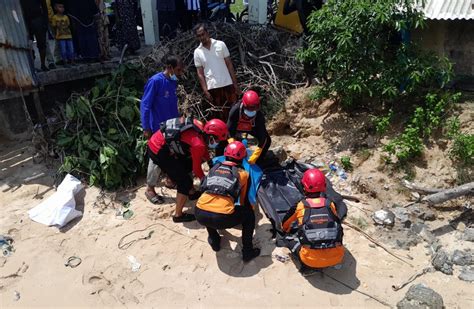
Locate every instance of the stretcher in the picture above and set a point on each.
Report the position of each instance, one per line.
(280, 188)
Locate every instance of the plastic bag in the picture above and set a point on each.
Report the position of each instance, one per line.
(59, 208)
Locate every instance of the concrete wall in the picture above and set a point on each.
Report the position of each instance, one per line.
(451, 38)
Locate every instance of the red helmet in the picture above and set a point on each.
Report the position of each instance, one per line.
(216, 127)
(235, 150)
(314, 181)
(251, 100)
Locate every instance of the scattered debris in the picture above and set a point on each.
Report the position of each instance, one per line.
(384, 217)
(281, 258)
(421, 296)
(412, 278)
(124, 212)
(6, 243)
(73, 261)
(442, 262)
(462, 258)
(134, 263)
(402, 215)
(420, 212)
(467, 274)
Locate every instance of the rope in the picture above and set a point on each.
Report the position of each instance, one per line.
(356, 290)
(124, 246)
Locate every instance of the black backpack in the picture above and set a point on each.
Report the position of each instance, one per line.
(222, 180)
(321, 228)
(172, 129)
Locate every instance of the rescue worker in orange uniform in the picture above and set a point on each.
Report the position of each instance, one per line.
(318, 239)
(179, 148)
(247, 118)
(224, 202)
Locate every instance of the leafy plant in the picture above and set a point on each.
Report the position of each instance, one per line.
(382, 123)
(346, 163)
(426, 118)
(462, 149)
(103, 139)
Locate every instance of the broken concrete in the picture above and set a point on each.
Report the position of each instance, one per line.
(467, 274)
(462, 258)
(442, 262)
(421, 296)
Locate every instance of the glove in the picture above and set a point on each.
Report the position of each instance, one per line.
(255, 155)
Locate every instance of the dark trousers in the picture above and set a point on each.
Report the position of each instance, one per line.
(214, 221)
(222, 100)
(177, 168)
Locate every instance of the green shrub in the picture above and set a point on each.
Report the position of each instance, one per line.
(356, 46)
(103, 140)
(462, 149)
(426, 118)
(346, 163)
(382, 123)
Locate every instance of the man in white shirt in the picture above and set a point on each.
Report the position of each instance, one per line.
(216, 72)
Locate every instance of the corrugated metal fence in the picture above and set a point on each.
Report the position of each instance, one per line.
(449, 9)
(16, 69)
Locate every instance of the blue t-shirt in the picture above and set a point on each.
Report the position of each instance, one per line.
(159, 102)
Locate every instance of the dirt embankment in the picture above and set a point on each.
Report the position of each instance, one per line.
(178, 268)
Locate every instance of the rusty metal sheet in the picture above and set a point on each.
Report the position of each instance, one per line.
(16, 67)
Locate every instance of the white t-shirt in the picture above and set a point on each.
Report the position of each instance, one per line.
(212, 60)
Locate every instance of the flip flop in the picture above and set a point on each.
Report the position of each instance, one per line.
(154, 199)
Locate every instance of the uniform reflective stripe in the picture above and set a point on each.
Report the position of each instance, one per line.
(220, 181)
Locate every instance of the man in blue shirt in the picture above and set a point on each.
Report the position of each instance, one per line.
(159, 103)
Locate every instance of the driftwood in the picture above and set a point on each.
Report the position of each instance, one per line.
(422, 190)
(449, 194)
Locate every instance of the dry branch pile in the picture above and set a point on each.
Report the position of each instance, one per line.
(264, 59)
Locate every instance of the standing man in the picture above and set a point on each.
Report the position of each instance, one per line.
(216, 72)
(159, 103)
(35, 14)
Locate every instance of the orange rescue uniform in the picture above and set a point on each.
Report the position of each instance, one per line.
(224, 204)
(316, 258)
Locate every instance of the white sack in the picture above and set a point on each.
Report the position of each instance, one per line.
(59, 208)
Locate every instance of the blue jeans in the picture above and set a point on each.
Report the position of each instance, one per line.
(67, 49)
